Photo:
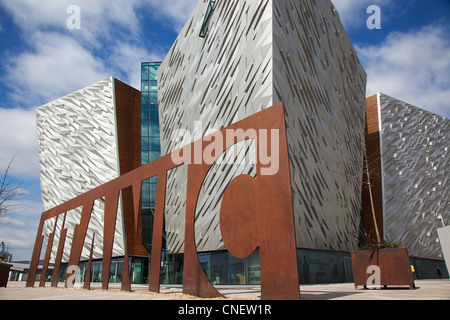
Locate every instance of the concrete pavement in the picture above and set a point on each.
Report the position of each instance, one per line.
(425, 290)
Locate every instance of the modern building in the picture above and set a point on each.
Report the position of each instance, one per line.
(232, 60)
(19, 270)
(235, 58)
(86, 139)
(409, 168)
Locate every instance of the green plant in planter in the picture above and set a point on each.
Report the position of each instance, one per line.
(380, 245)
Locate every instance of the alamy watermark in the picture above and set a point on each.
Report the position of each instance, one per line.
(266, 154)
(74, 279)
(374, 21)
(374, 280)
(74, 20)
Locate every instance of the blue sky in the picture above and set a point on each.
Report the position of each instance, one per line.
(42, 59)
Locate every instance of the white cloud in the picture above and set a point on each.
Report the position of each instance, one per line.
(353, 13)
(19, 230)
(413, 67)
(54, 62)
(94, 14)
(57, 66)
(29, 14)
(18, 136)
(176, 12)
(97, 16)
(61, 61)
(128, 57)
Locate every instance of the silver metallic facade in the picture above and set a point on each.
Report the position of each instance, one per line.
(256, 54)
(78, 152)
(416, 174)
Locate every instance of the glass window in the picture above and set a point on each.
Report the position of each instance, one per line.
(62, 273)
(172, 269)
(145, 97)
(154, 114)
(154, 129)
(205, 263)
(112, 272)
(145, 112)
(145, 85)
(155, 144)
(81, 273)
(303, 266)
(153, 155)
(145, 129)
(145, 191)
(153, 107)
(148, 197)
(119, 272)
(97, 271)
(218, 268)
(150, 147)
(253, 268)
(324, 268)
(208, 15)
(153, 98)
(144, 157)
(136, 271)
(236, 270)
(152, 192)
(145, 143)
(152, 70)
(317, 266)
(144, 71)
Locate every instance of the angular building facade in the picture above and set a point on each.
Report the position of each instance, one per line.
(407, 151)
(241, 58)
(232, 60)
(86, 139)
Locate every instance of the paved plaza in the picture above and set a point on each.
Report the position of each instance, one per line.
(425, 290)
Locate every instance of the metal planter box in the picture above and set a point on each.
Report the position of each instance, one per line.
(382, 268)
(4, 274)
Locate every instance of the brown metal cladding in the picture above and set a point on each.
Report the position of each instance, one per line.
(372, 137)
(128, 116)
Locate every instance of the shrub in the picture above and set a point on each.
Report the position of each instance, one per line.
(381, 245)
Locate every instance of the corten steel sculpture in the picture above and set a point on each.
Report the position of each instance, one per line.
(254, 213)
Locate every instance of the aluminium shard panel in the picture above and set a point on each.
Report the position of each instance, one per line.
(256, 54)
(317, 74)
(416, 174)
(78, 152)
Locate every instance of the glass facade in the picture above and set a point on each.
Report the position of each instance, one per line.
(221, 268)
(138, 271)
(150, 144)
(427, 268)
(316, 266)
